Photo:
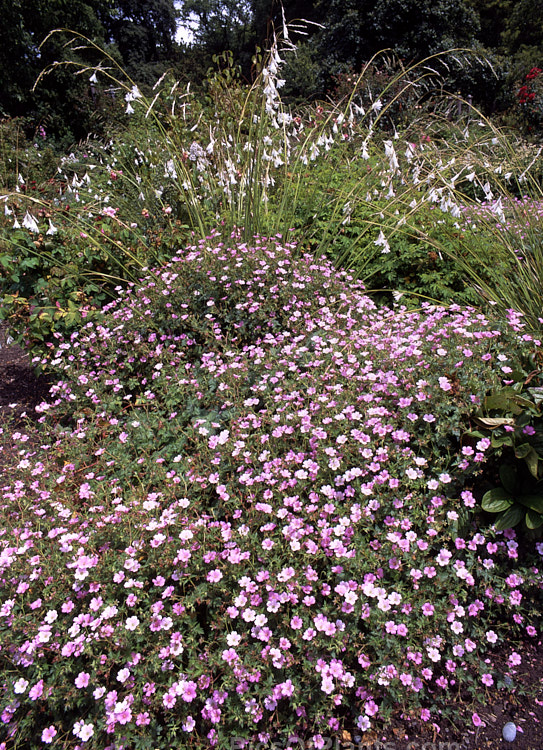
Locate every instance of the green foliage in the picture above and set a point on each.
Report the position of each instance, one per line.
(423, 262)
(510, 418)
(494, 17)
(47, 283)
(143, 32)
(519, 251)
(24, 164)
(302, 75)
(223, 26)
(241, 370)
(417, 207)
(341, 36)
(524, 28)
(139, 34)
(60, 267)
(243, 472)
(63, 103)
(355, 31)
(517, 500)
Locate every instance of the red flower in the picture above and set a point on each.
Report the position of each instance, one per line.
(522, 94)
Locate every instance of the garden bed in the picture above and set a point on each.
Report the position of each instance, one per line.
(264, 488)
(21, 390)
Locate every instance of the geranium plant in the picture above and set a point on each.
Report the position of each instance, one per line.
(251, 516)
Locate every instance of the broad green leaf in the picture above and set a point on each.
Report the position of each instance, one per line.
(534, 502)
(474, 434)
(496, 500)
(498, 441)
(521, 451)
(508, 477)
(502, 402)
(526, 403)
(498, 400)
(510, 518)
(532, 461)
(533, 520)
(537, 394)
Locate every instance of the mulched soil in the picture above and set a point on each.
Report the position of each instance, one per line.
(21, 390)
(521, 704)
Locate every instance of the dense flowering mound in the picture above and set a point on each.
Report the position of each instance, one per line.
(253, 516)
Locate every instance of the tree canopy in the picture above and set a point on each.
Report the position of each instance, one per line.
(356, 29)
(341, 36)
(139, 34)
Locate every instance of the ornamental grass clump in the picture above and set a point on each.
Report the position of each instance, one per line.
(251, 514)
(381, 196)
(488, 180)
